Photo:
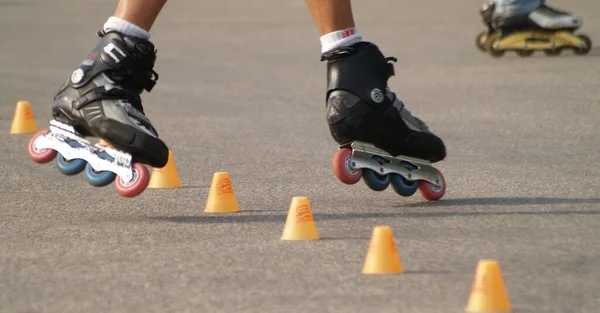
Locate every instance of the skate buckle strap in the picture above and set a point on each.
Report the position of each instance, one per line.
(396, 106)
(107, 92)
(150, 83)
(337, 53)
(134, 58)
(144, 55)
(140, 75)
(390, 66)
(346, 51)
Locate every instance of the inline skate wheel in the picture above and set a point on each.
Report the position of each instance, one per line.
(480, 41)
(553, 52)
(491, 42)
(343, 167)
(70, 167)
(524, 53)
(137, 185)
(40, 156)
(403, 186)
(433, 192)
(584, 50)
(98, 179)
(375, 181)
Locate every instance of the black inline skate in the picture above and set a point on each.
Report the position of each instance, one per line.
(544, 29)
(379, 138)
(102, 99)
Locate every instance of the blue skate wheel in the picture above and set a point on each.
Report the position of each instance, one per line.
(98, 179)
(403, 186)
(375, 181)
(70, 167)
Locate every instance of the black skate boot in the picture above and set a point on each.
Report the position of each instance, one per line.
(379, 138)
(102, 97)
(360, 107)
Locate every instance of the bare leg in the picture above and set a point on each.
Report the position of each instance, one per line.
(331, 15)
(142, 13)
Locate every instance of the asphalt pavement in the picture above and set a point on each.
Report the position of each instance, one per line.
(241, 90)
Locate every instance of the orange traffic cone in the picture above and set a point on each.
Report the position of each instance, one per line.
(300, 224)
(221, 198)
(488, 293)
(23, 121)
(165, 177)
(382, 257)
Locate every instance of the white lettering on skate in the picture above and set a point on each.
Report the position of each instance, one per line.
(121, 160)
(110, 48)
(62, 138)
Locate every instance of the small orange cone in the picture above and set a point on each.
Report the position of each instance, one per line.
(23, 121)
(488, 293)
(382, 257)
(300, 224)
(165, 177)
(221, 198)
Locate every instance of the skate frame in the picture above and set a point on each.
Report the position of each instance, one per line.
(362, 154)
(65, 140)
(538, 40)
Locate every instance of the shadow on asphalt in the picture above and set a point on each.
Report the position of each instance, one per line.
(280, 217)
(501, 201)
(594, 52)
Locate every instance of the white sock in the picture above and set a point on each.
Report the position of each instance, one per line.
(125, 27)
(341, 38)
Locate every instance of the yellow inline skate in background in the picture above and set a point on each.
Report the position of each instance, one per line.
(544, 29)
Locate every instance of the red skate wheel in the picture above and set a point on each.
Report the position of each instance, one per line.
(343, 169)
(432, 192)
(40, 156)
(141, 178)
